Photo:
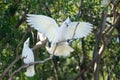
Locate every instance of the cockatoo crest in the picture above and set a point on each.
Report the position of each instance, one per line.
(66, 22)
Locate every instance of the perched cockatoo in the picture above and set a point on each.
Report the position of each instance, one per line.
(28, 57)
(55, 34)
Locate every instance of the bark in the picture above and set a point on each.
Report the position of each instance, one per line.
(98, 40)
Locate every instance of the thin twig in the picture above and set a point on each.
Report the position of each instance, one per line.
(55, 69)
(80, 8)
(11, 65)
(22, 19)
(75, 30)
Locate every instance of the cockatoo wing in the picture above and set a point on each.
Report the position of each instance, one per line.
(27, 55)
(43, 24)
(78, 30)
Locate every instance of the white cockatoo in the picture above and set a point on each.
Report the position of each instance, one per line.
(28, 57)
(55, 34)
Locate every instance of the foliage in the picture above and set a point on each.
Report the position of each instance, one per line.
(13, 27)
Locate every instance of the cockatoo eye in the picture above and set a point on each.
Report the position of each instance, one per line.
(66, 24)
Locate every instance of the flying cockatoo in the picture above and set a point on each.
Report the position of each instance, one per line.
(55, 34)
(28, 57)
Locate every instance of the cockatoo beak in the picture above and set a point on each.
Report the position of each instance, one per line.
(27, 41)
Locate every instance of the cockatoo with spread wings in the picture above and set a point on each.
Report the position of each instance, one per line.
(28, 57)
(68, 30)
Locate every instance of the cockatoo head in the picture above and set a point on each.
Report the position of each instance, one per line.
(66, 22)
(26, 43)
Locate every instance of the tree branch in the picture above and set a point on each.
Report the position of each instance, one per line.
(17, 56)
(22, 19)
(27, 65)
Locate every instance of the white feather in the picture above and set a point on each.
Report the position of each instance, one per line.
(78, 30)
(43, 24)
(28, 57)
(62, 30)
(30, 72)
(63, 49)
(40, 36)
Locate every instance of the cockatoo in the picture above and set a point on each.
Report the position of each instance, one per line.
(55, 34)
(28, 57)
